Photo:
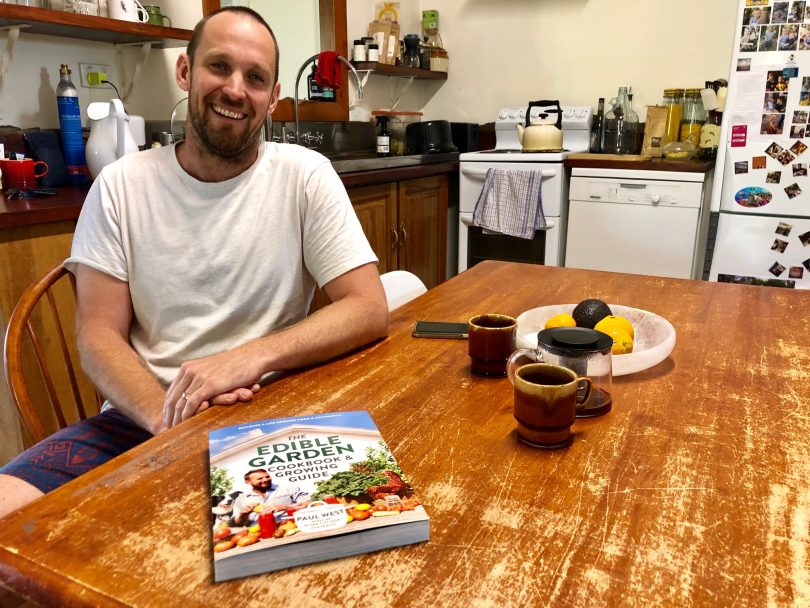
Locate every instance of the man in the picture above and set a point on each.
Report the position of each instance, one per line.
(266, 493)
(195, 264)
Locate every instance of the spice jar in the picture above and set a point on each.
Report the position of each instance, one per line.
(373, 52)
(673, 100)
(694, 115)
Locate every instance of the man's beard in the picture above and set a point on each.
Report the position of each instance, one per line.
(223, 143)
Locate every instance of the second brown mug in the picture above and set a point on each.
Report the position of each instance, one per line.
(491, 341)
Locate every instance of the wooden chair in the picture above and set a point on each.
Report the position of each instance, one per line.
(41, 360)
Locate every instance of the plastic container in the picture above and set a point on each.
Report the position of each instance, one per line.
(679, 150)
(397, 123)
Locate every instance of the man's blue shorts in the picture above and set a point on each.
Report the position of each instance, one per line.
(76, 449)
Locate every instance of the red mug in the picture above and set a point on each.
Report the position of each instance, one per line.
(21, 174)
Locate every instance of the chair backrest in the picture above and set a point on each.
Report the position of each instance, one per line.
(401, 287)
(41, 360)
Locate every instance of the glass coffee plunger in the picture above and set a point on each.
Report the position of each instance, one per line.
(411, 58)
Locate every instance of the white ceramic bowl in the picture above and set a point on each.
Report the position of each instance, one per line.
(654, 335)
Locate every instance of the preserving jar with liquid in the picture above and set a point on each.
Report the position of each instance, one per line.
(621, 126)
(694, 115)
(673, 100)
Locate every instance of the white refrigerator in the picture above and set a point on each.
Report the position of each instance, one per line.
(762, 192)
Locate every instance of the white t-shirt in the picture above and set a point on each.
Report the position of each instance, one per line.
(211, 266)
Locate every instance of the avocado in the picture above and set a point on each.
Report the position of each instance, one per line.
(589, 312)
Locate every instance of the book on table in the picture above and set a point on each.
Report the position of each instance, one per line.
(305, 489)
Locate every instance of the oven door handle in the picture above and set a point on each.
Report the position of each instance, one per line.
(482, 173)
(467, 220)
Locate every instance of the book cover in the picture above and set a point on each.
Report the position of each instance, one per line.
(305, 489)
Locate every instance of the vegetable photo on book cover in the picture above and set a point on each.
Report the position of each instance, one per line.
(275, 482)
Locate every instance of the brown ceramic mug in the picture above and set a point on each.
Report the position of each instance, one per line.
(491, 340)
(546, 403)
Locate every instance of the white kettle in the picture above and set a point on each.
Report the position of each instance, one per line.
(110, 135)
(544, 135)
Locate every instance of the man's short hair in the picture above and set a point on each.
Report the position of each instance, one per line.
(196, 35)
(251, 471)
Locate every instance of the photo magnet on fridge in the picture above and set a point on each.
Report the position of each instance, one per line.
(774, 150)
(799, 170)
(776, 269)
(758, 162)
(806, 263)
(773, 177)
(791, 72)
(805, 239)
(799, 147)
(796, 272)
(741, 166)
(784, 229)
(793, 190)
(779, 245)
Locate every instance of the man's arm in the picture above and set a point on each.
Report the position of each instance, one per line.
(104, 314)
(358, 315)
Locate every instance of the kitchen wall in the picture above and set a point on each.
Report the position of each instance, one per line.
(508, 52)
(27, 91)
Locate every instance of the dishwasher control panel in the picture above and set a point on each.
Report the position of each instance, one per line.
(638, 192)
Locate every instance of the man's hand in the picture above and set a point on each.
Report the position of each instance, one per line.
(222, 379)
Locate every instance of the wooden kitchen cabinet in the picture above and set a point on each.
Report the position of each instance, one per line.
(406, 225)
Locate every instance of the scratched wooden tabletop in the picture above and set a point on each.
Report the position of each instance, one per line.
(693, 491)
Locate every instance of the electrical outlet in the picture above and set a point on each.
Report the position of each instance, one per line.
(95, 68)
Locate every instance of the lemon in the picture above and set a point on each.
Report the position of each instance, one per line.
(622, 342)
(563, 320)
(615, 321)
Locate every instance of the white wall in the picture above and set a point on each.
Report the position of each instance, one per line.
(508, 52)
(28, 90)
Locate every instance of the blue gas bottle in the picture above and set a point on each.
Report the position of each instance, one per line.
(70, 128)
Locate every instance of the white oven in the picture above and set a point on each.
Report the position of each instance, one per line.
(548, 245)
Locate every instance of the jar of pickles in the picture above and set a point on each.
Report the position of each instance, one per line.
(694, 115)
(673, 100)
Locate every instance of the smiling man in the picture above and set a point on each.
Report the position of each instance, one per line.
(196, 263)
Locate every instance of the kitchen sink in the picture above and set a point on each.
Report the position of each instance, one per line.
(346, 162)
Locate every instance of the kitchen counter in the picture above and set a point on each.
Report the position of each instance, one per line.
(637, 163)
(354, 171)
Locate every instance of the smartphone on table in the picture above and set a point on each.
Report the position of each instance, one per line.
(440, 329)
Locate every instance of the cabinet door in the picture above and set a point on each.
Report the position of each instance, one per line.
(422, 226)
(374, 206)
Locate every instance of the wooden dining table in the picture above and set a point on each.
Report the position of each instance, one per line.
(693, 491)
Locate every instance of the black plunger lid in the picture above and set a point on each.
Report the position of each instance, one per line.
(578, 339)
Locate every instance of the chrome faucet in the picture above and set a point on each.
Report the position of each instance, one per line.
(298, 78)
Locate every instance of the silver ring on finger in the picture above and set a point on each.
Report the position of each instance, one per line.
(184, 396)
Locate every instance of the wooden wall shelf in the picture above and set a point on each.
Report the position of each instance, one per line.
(87, 27)
(398, 71)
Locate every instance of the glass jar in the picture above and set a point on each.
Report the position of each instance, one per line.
(710, 136)
(694, 115)
(621, 126)
(673, 100)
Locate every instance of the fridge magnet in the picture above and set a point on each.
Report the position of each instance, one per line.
(744, 64)
(799, 170)
(796, 14)
(805, 239)
(804, 98)
(795, 272)
(799, 147)
(770, 80)
(807, 12)
(768, 37)
(749, 38)
(796, 131)
(773, 177)
(758, 162)
(776, 269)
(757, 2)
(793, 190)
(757, 16)
(740, 166)
(806, 263)
(800, 116)
(779, 245)
(804, 38)
(753, 196)
(775, 102)
(786, 157)
(788, 37)
(784, 229)
(774, 150)
(780, 12)
(772, 124)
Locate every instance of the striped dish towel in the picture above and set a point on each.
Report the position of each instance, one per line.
(510, 203)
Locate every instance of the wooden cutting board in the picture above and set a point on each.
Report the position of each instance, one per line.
(621, 157)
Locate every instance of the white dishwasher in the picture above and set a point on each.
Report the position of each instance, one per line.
(636, 221)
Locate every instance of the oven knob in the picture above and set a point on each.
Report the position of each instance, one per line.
(513, 114)
(582, 112)
(502, 115)
(656, 198)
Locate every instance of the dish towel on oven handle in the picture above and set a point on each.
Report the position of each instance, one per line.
(511, 203)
